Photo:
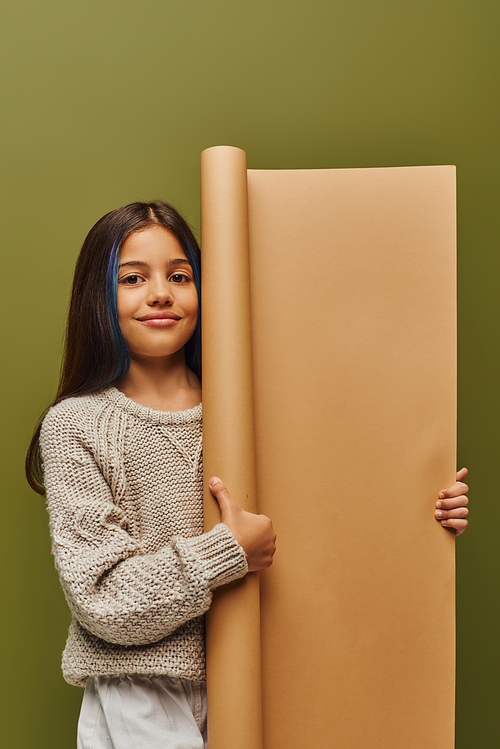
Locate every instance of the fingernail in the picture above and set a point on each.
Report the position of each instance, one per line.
(438, 504)
(438, 513)
(213, 480)
(443, 522)
(441, 495)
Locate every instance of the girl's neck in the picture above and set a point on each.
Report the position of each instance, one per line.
(163, 385)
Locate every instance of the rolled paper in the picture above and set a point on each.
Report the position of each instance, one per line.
(353, 320)
(354, 350)
(234, 687)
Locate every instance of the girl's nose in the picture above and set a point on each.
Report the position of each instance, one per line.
(160, 293)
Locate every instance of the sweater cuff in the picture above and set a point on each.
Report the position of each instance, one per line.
(219, 555)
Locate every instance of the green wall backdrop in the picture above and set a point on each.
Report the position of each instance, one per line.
(108, 101)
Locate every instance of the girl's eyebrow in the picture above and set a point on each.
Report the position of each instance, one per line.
(142, 264)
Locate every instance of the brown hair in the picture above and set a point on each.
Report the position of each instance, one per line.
(95, 354)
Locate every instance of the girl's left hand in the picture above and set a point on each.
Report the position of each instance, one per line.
(452, 504)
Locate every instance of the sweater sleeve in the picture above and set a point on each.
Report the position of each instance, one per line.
(116, 592)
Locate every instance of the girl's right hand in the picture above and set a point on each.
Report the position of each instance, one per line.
(254, 533)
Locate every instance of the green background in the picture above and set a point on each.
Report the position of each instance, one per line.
(109, 101)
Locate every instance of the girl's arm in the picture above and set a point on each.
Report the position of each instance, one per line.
(114, 591)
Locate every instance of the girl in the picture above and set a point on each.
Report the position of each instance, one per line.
(119, 457)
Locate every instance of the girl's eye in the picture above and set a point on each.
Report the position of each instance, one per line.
(131, 280)
(179, 278)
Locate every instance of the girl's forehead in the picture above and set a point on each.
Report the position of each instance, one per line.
(151, 243)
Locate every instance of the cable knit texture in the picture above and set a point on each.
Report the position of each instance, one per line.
(124, 493)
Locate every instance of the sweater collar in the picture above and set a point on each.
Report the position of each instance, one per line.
(168, 418)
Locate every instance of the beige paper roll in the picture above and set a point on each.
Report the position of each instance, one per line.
(354, 365)
(354, 347)
(233, 622)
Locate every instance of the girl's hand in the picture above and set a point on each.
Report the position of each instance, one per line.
(452, 504)
(254, 533)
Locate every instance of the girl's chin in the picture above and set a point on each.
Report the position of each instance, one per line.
(158, 355)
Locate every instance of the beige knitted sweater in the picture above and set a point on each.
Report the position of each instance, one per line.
(124, 493)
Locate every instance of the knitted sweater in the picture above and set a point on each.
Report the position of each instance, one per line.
(124, 493)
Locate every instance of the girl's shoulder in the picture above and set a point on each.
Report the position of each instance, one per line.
(93, 411)
(84, 427)
(72, 414)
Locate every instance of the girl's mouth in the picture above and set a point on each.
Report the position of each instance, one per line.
(159, 319)
(160, 322)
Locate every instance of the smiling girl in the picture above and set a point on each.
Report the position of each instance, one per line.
(119, 457)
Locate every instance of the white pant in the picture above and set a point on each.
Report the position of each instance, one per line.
(140, 712)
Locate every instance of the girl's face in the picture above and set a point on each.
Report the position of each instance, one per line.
(157, 298)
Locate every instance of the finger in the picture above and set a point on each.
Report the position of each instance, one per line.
(459, 526)
(449, 504)
(459, 512)
(221, 494)
(462, 473)
(454, 491)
